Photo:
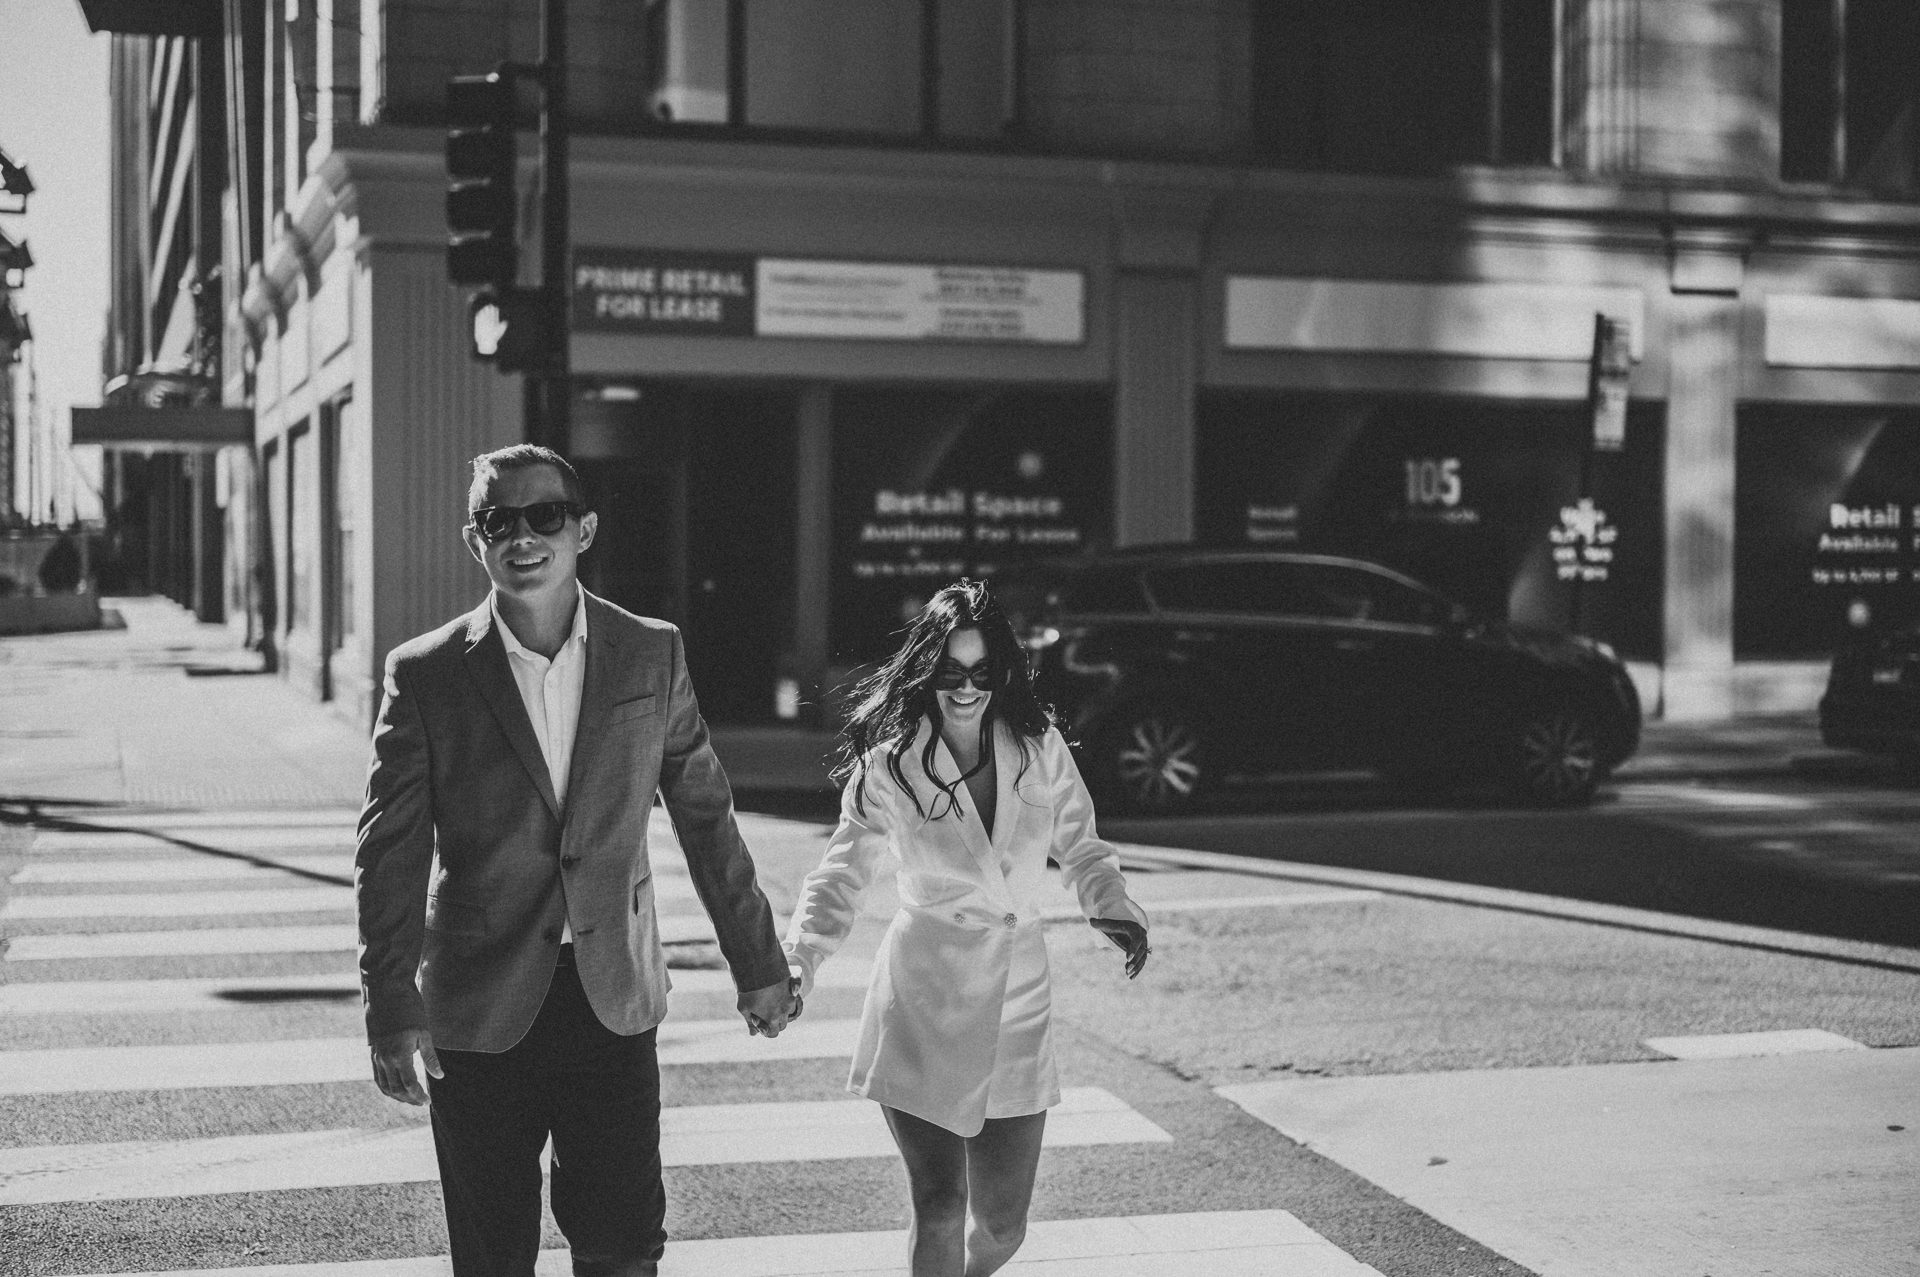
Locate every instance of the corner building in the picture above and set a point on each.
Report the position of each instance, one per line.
(868, 293)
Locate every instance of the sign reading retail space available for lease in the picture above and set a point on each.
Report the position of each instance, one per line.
(733, 295)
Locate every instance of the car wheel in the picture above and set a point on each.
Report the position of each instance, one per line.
(1154, 760)
(1556, 757)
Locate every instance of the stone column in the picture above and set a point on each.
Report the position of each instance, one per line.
(1156, 356)
(1156, 320)
(1704, 354)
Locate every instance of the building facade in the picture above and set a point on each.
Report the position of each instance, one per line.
(175, 466)
(866, 294)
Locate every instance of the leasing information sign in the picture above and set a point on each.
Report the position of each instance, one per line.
(732, 295)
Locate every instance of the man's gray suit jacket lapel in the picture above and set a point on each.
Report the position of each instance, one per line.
(487, 664)
(596, 696)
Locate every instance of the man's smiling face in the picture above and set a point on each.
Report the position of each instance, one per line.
(524, 562)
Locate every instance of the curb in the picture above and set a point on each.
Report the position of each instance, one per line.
(1621, 917)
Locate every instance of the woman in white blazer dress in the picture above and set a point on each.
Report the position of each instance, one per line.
(955, 769)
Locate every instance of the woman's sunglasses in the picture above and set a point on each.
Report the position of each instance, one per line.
(497, 522)
(986, 676)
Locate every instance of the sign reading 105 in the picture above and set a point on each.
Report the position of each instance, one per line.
(1433, 481)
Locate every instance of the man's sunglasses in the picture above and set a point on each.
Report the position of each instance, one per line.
(986, 676)
(497, 522)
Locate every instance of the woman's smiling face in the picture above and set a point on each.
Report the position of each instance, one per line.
(964, 705)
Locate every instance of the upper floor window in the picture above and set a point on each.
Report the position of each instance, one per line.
(1403, 86)
(1850, 92)
(935, 68)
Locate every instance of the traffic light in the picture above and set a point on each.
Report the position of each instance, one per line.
(481, 247)
(510, 328)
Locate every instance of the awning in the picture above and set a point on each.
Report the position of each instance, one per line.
(155, 17)
(164, 429)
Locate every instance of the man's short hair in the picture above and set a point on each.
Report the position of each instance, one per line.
(521, 456)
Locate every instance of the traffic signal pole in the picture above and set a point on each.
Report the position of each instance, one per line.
(515, 328)
(557, 380)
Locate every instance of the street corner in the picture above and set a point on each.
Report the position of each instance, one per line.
(1223, 1157)
(1672, 1166)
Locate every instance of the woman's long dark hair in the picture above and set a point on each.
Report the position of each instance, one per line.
(890, 702)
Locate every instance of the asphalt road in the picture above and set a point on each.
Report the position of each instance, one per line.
(67, 1145)
(1828, 854)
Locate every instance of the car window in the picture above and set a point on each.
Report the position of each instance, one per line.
(1354, 594)
(1262, 589)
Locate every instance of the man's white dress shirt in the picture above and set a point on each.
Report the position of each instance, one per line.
(550, 690)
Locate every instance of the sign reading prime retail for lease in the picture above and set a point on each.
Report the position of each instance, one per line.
(894, 302)
(701, 294)
(735, 295)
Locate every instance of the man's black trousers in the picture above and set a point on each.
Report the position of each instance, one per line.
(597, 1094)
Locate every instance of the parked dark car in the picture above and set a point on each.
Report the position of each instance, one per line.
(1873, 693)
(1177, 668)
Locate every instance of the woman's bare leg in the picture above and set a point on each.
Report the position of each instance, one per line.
(937, 1166)
(1001, 1162)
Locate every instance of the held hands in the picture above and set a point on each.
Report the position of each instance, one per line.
(770, 1009)
(1129, 936)
(393, 1069)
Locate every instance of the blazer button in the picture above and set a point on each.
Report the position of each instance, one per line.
(551, 935)
(568, 862)
(1010, 920)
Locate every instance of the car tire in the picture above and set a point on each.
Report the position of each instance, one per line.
(1554, 757)
(1153, 759)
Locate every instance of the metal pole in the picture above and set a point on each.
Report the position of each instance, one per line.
(558, 381)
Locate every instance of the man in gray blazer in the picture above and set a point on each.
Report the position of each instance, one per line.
(505, 896)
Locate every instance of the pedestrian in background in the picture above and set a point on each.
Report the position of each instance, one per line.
(507, 929)
(951, 764)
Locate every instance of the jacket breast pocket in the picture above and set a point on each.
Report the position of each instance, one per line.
(452, 917)
(635, 707)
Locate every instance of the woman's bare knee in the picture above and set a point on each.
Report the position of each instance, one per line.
(1001, 1234)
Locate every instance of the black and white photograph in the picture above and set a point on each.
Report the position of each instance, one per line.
(1071, 638)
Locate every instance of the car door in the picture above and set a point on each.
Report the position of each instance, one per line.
(1236, 625)
(1389, 656)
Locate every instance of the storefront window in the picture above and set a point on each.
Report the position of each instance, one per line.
(932, 485)
(1482, 501)
(1826, 515)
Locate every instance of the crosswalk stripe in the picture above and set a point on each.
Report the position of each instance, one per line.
(317, 838)
(234, 993)
(1205, 904)
(257, 818)
(203, 941)
(169, 944)
(697, 1135)
(207, 904)
(313, 1060)
(1222, 1243)
(182, 904)
(666, 886)
(191, 869)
